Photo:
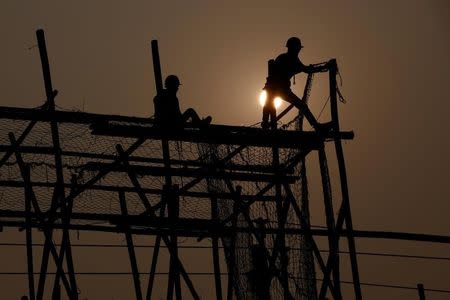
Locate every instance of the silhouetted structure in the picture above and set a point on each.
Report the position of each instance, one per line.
(241, 186)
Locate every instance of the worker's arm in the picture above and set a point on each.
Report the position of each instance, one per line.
(316, 68)
(299, 67)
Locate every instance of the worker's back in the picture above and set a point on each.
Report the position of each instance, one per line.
(284, 67)
(167, 109)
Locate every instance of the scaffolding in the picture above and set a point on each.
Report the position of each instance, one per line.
(243, 187)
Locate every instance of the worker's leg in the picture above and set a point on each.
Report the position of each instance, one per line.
(269, 112)
(191, 114)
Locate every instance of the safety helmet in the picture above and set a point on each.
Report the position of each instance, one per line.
(294, 42)
(172, 80)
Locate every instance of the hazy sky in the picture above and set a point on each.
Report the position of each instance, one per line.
(393, 57)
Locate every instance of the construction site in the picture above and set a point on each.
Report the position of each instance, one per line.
(241, 192)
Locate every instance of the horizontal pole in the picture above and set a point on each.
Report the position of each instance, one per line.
(208, 248)
(110, 157)
(192, 173)
(18, 113)
(221, 134)
(202, 227)
(130, 189)
(379, 285)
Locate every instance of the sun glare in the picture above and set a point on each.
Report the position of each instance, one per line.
(263, 99)
(277, 101)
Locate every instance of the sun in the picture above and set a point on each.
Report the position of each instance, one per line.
(263, 99)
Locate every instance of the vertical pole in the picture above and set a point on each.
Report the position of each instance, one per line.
(130, 246)
(343, 179)
(151, 278)
(166, 158)
(59, 188)
(69, 257)
(333, 240)
(56, 295)
(50, 93)
(307, 257)
(50, 103)
(45, 69)
(281, 245)
(172, 213)
(176, 215)
(215, 249)
(168, 199)
(171, 279)
(157, 66)
(232, 258)
(66, 212)
(29, 239)
(174, 277)
(421, 291)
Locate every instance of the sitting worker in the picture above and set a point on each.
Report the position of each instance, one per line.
(278, 84)
(167, 108)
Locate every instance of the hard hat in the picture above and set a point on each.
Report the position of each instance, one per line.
(172, 80)
(294, 42)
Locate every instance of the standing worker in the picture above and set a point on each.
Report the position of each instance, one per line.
(167, 108)
(278, 84)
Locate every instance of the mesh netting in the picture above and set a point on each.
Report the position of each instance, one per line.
(82, 150)
(239, 249)
(300, 264)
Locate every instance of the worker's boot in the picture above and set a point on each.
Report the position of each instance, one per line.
(205, 121)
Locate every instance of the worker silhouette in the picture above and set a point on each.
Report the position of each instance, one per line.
(167, 108)
(278, 84)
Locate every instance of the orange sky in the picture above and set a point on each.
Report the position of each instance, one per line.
(393, 57)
